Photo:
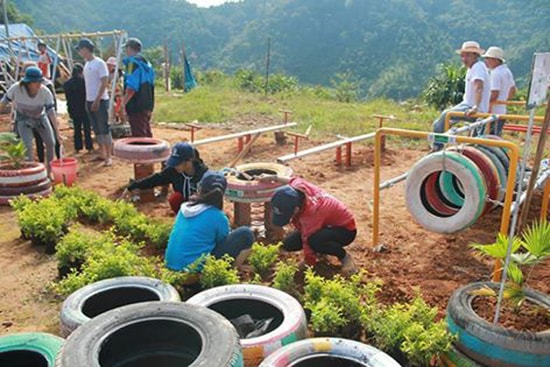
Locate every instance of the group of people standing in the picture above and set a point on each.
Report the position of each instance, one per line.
(87, 93)
(486, 84)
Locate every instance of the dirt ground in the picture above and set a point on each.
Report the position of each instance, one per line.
(415, 258)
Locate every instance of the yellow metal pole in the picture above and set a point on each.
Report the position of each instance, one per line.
(513, 151)
(545, 200)
(451, 114)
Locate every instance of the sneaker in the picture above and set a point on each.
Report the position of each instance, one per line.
(241, 257)
(108, 162)
(348, 266)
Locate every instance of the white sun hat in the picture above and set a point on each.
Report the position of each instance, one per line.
(471, 46)
(495, 53)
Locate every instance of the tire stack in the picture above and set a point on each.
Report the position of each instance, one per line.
(448, 191)
(30, 180)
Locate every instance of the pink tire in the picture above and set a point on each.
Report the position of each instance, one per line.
(29, 173)
(26, 190)
(5, 200)
(142, 150)
(241, 190)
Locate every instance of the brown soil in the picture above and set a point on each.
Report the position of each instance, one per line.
(414, 259)
(529, 318)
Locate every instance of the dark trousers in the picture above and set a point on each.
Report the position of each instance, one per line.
(140, 124)
(82, 124)
(328, 240)
(40, 147)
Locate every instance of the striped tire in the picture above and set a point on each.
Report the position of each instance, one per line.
(473, 185)
(25, 190)
(154, 334)
(455, 358)
(327, 352)
(142, 150)
(5, 200)
(105, 295)
(30, 173)
(29, 349)
(236, 300)
(243, 191)
(492, 345)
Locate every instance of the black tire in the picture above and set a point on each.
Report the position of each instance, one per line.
(493, 345)
(29, 349)
(289, 319)
(154, 334)
(105, 295)
(329, 352)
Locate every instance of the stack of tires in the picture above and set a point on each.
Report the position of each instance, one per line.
(31, 180)
(448, 191)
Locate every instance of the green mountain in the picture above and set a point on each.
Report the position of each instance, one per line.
(391, 46)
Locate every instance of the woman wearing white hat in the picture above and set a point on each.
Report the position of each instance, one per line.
(477, 87)
(503, 86)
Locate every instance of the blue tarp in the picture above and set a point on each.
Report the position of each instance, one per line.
(190, 81)
(20, 30)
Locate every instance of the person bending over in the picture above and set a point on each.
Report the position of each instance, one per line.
(202, 228)
(323, 223)
(184, 169)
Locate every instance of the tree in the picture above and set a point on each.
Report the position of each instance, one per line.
(15, 15)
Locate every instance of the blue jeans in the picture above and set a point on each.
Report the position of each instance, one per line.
(438, 125)
(239, 239)
(99, 120)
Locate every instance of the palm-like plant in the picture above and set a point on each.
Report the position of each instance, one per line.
(531, 249)
(12, 150)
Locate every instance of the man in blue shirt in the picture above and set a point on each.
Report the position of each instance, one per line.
(139, 89)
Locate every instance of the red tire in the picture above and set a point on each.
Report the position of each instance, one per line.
(435, 201)
(5, 200)
(30, 173)
(243, 191)
(142, 150)
(25, 190)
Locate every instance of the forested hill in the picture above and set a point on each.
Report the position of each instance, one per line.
(391, 46)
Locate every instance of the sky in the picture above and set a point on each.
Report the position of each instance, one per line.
(207, 3)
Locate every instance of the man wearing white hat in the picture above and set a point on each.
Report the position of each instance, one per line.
(477, 88)
(503, 86)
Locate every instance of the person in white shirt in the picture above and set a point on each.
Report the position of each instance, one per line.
(503, 86)
(96, 77)
(477, 88)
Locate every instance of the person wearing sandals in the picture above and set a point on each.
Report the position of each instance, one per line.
(202, 228)
(183, 170)
(34, 106)
(323, 224)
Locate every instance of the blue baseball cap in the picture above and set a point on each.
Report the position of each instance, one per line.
(33, 74)
(212, 180)
(181, 152)
(85, 43)
(284, 202)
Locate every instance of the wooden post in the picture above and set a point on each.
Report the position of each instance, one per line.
(183, 64)
(166, 68)
(536, 167)
(348, 154)
(142, 171)
(339, 155)
(545, 201)
(242, 213)
(272, 232)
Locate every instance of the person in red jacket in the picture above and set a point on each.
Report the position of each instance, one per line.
(323, 223)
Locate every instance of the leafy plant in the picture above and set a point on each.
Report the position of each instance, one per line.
(285, 273)
(217, 272)
(12, 150)
(262, 257)
(76, 246)
(326, 317)
(346, 87)
(447, 87)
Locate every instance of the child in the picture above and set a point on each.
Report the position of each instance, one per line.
(202, 228)
(323, 223)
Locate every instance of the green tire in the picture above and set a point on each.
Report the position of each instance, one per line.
(29, 349)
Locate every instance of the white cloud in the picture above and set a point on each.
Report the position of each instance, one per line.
(208, 3)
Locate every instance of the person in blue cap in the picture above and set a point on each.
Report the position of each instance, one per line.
(184, 169)
(202, 228)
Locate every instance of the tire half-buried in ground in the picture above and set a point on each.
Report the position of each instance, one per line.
(105, 295)
(288, 323)
(29, 349)
(154, 334)
(329, 352)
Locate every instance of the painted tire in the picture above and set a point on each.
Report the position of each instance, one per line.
(29, 349)
(451, 189)
(455, 358)
(25, 190)
(105, 295)
(28, 174)
(492, 345)
(5, 200)
(474, 191)
(434, 200)
(502, 172)
(326, 349)
(292, 323)
(243, 191)
(142, 150)
(154, 334)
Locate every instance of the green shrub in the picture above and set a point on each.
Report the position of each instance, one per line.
(157, 234)
(347, 88)
(285, 273)
(446, 88)
(326, 317)
(217, 272)
(262, 258)
(76, 246)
